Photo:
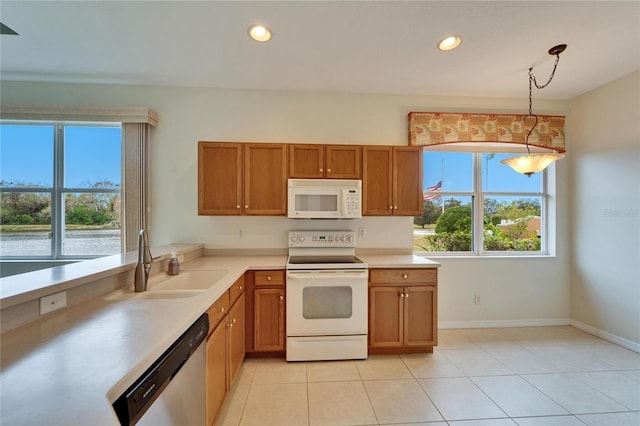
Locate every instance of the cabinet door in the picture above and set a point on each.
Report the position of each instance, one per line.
(236, 339)
(407, 181)
(219, 178)
(268, 319)
(216, 378)
(306, 161)
(343, 162)
(265, 179)
(385, 316)
(420, 316)
(377, 181)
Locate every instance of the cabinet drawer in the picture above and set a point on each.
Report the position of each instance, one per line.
(403, 276)
(269, 278)
(217, 311)
(236, 290)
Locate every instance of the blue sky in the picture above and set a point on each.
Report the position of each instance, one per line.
(457, 169)
(92, 154)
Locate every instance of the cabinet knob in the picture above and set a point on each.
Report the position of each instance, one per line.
(221, 310)
(328, 170)
(390, 207)
(321, 170)
(240, 288)
(238, 206)
(233, 321)
(268, 277)
(401, 294)
(246, 206)
(405, 295)
(405, 276)
(395, 207)
(281, 297)
(229, 325)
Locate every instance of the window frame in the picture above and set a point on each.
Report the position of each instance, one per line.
(58, 191)
(477, 205)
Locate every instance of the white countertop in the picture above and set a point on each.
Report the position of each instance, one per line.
(68, 368)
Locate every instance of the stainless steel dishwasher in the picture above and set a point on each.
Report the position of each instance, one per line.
(172, 390)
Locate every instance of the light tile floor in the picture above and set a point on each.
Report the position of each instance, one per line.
(529, 376)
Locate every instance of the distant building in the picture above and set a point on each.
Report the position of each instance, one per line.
(532, 230)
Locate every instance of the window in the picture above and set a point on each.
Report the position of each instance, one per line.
(475, 205)
(60, 187)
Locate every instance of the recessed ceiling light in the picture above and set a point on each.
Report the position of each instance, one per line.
(259, 33)
(450, 42)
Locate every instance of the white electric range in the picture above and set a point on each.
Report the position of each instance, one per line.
(327, 297)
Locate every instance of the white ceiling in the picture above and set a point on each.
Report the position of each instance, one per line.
(343, 46)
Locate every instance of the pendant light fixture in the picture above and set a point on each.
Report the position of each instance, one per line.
(533, 163)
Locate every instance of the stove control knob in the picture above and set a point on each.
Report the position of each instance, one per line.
(350, 239)
(301, 238)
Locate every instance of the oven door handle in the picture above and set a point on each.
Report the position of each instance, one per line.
(329, 274)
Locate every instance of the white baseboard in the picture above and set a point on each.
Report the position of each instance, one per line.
(621, 341)
(504, 323)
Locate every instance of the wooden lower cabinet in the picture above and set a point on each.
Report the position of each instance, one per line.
(402, 310)
(265, 327)
(269, 333)
(225, 349)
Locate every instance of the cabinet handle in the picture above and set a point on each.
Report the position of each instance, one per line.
(221, 310)
(405, 276)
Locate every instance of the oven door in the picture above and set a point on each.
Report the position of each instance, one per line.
(326, 302)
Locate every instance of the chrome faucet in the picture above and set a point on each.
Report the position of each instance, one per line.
(144, 262)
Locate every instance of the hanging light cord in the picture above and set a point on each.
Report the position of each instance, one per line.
(532, 79)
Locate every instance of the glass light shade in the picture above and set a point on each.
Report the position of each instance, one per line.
(532, 163)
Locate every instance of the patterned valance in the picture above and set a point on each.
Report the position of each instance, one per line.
(438, 128)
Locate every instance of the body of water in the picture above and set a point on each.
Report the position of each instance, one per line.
(98, 242)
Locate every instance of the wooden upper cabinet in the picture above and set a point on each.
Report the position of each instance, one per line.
(377, 180)
(392, 181)
(407, 181)
(219, 178)
(306, 161)
(236, 179)
(265, 179)
(324, 161)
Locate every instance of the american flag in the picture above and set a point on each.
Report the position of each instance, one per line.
(435, 188)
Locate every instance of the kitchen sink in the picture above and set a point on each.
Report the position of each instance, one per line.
(186, 280)
(163, 286)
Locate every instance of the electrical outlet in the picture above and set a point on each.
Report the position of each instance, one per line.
(476, 299)
(181, 258)
(53, 302)
(361, 233)
(241, 233)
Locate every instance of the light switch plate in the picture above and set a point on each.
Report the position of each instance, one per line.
(53, 302)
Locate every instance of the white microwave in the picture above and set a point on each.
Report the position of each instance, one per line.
(324, 199)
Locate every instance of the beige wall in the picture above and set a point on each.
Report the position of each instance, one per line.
(605, 208)
(512, 291)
